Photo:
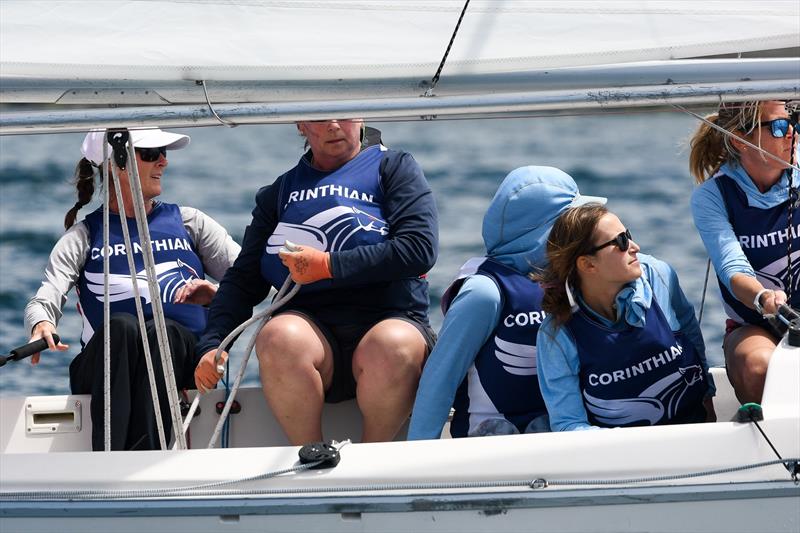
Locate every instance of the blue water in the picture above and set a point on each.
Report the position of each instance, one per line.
(638, 161)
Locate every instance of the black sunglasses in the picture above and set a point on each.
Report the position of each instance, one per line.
(150, 155)
(778, 127)
(621, 241)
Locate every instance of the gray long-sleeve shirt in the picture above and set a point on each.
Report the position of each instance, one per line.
(216, 249)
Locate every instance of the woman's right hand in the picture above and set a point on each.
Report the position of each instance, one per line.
(206, 373)
(45, 330)
(771, 300)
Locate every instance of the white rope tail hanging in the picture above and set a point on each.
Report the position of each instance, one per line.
(571, 299)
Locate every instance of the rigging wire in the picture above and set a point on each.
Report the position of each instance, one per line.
(703, 298)
(727, 133)
(226, 123)
(435, 79)
(792, 109)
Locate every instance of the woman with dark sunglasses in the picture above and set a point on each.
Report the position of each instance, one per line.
(187, 244)
(620, 345)
(741, 210)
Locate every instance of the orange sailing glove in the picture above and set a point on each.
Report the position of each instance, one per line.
(208, 373)
(306, 264)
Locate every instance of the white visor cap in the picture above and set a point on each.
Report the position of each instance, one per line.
(92, 147)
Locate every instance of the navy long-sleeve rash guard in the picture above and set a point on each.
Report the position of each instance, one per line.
(368, 281)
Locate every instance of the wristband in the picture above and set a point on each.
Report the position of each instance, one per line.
(757, 300)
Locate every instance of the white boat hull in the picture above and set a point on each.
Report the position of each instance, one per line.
(635, 479)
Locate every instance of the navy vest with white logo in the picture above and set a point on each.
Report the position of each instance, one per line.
(176, 262)
(332, 211)
(502, 381)
(763, 235)
(638, 376)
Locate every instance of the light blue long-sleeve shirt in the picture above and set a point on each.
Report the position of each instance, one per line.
(558, 361)
(515, 231)
(467, 326)
(711, 219)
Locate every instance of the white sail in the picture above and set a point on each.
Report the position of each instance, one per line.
(369, 55)
(360, 39)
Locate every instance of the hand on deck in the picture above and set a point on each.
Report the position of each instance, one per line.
(207, 374)
(306, 264)
(196, 291)
(45, 330)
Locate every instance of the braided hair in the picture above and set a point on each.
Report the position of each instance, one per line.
(84, 183)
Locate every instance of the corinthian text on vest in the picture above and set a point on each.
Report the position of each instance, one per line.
(768, 239)
(648, 365)
(157, 246)
(524, 319)
(328, 190)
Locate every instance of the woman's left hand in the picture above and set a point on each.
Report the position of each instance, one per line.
(196, 291)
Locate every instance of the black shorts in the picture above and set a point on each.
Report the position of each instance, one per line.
(343, 340)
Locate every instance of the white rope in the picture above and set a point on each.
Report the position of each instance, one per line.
(155, 299)
(280, 299)
(137, 300)
(262, 318)
(106, 312)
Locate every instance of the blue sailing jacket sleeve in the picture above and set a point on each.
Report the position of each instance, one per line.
(242, 287)
(711, 220)
(469, 322)
(413, 220)
(558, 368)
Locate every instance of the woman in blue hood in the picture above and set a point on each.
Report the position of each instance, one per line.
(484, 364)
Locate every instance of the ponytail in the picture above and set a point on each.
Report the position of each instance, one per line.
(710, 148)
(708, 151)
(84, 183)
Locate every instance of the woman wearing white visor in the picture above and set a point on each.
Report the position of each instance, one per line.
(187, 244)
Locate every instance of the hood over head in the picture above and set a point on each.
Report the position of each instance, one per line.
(518, 221)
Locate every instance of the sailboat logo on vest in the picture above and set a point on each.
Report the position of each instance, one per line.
(662, 397)
(329, 230)
(773, 274)
(171, 276)
(517, 359)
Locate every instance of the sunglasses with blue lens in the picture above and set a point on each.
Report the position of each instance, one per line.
(779, 127)
(150, 155)
(621, 241)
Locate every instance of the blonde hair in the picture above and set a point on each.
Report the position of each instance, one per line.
(711, 148)
(570, 238)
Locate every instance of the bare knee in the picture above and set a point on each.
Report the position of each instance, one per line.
(289, 343)
(394, 353)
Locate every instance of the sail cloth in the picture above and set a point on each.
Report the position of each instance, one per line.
(288, 60)
(185, 40)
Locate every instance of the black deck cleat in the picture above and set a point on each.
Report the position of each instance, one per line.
(186, 407)
(319, 451)
(236, 407)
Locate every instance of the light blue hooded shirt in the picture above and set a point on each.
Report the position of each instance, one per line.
(515, 231)
(557, 356)
(711, 219)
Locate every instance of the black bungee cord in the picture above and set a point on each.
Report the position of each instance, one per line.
(435, 79)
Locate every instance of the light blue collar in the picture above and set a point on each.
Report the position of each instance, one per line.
(776, 195)
(632, 303)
